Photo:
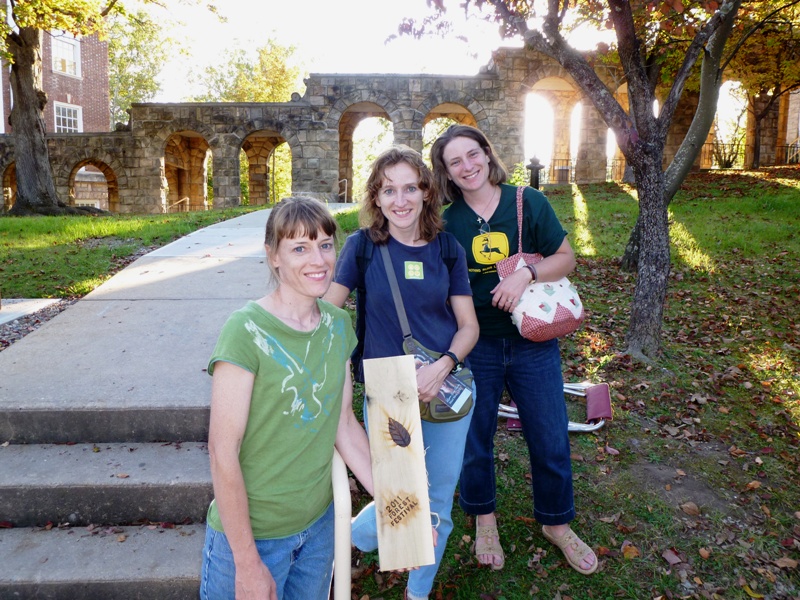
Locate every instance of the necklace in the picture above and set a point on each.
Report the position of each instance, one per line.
(485, 208)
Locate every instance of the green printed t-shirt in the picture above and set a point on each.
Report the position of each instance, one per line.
(542, 233)
(287, 449)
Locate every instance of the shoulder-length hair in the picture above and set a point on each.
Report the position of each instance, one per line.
(371, 216)
(497, 170)
(297, 216)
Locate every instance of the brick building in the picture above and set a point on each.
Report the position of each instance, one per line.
(75, 79)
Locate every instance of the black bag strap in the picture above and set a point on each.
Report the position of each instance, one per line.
(398, 299)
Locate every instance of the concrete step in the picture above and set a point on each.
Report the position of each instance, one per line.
(104, 483)
(116, 371)
(50, 423)
(124, 563)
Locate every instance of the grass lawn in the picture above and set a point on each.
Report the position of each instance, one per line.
(693, 491)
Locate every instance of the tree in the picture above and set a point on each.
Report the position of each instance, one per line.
(641, 36)
(267, 77)
(137, 51)
(768, 66)
(22, 48)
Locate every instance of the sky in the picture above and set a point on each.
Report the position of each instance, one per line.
(330, 36)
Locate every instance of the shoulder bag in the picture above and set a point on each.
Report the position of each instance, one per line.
(547, 309)
(454, 400)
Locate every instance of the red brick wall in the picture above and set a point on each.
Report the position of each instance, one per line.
(89, 91)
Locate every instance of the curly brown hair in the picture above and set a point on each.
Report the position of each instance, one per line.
(371, 216)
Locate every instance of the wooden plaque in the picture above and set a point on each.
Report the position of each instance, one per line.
(399, 477)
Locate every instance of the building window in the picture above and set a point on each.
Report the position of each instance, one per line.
(69, 118)
(66, 55)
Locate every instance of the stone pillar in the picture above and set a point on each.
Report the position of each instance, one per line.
(226, 176)
(769, 134)
(684, 113)
(258, 151)
(196, 176)
(315, 168)
(344, 187)
(590, 166)
(562, 154)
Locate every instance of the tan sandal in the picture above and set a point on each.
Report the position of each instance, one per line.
(482, 533)
(579, 550)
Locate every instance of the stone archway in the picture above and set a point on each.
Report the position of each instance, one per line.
(349, 121)
(186, 171)
(9, 186)
(92, 182)
(259, 147)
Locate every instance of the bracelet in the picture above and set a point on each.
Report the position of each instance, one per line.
(453, 356)
(532, 269)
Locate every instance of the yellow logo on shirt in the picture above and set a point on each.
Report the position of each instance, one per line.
(490, 247)
(414, 270)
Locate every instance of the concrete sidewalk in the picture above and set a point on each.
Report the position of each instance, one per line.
(143, 338)
(104, 423)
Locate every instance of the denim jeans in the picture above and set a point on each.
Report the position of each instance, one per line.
(531, 371)
(444, 449)
(301, 564)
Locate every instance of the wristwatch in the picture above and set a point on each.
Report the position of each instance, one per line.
(458, 364)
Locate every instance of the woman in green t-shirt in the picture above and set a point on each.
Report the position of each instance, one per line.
(281, 399)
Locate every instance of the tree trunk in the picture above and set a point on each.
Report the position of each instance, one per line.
(756, 144)
(630, 258)
(36, 192)
(647, 309)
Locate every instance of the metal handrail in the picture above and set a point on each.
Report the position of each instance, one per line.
(345, 189)
(793, 152)
(181, 201)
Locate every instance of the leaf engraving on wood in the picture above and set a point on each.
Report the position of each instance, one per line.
(400, 435)
(400, 508)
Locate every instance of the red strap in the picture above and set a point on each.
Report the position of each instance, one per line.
(520, 191)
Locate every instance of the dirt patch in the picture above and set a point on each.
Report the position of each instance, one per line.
(679, 486)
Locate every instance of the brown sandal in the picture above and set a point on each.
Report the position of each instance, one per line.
(493, 548)
(579, 550)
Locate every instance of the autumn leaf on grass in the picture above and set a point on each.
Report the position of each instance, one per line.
(690, 508)
(704, 552)
(751, 593)
(786, 563)
(734, 451)
(612, 519)
(753, 485)
(629, 551)
(671, 556)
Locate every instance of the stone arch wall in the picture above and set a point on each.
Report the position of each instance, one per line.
(318, 128)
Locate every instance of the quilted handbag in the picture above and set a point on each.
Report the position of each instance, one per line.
(547, 309)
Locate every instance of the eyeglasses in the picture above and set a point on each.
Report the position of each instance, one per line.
(484, 228)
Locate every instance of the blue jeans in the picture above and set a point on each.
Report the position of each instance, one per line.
(531, 371)
(301, 564)
(444, 448)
